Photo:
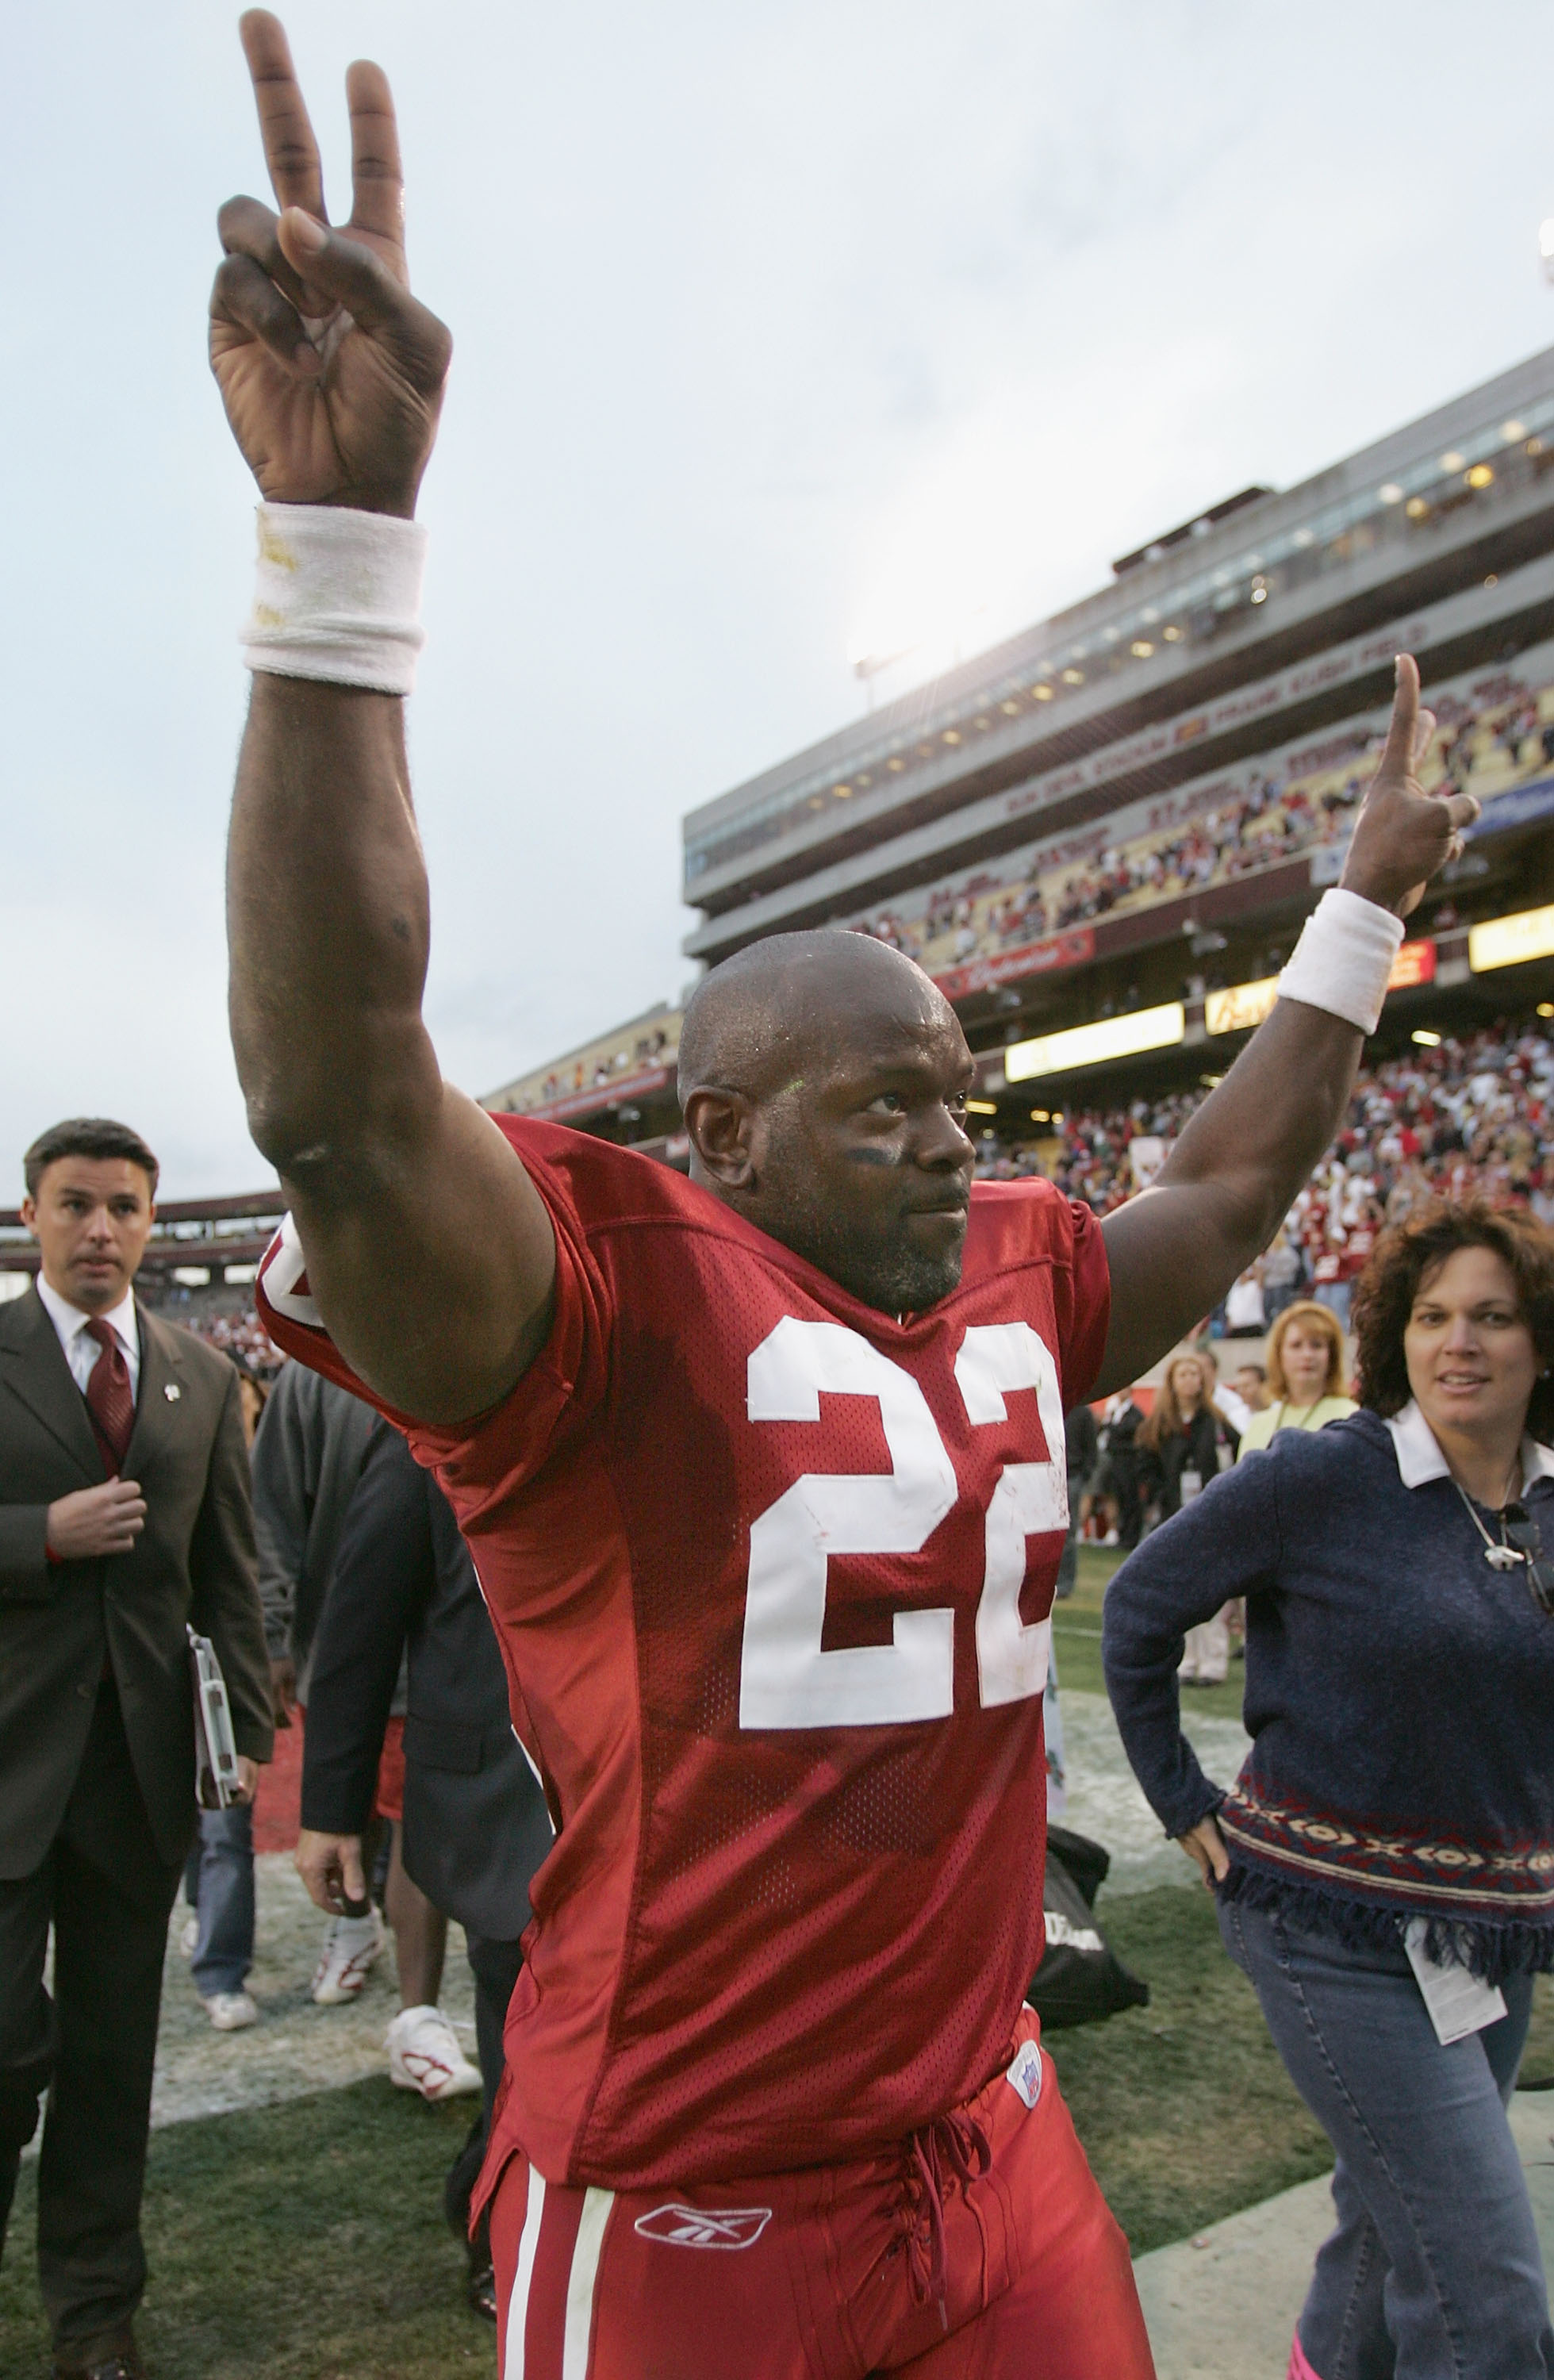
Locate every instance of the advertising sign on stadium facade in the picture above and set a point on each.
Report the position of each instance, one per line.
(1511, 942)
(1005, 967)
(1246, 1004)
(1414, 964)
(1243, 1005)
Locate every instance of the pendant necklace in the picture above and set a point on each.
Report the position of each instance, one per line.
(1499, 1556)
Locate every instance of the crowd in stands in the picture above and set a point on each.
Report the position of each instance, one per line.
(590, 1072)
(241, 1336)
(1265, 823)
(1498, 733)
(1469, 1118)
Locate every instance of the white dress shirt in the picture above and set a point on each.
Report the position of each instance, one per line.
(1234, 1406)
(81, 1350)
(1420, 1458)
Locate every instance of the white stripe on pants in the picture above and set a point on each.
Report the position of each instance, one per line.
(517, 2304)
(581, 2281)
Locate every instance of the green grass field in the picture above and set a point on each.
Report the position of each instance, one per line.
(306, 2243)
(1077, 1642)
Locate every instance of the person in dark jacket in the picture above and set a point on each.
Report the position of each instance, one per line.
(1122, 1464)
(308, 1454)
(1184, 1443)
(1080, 1440)
(475, 1825)
(1384, 1864)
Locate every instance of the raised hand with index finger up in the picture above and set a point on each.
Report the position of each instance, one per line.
(1403, 834)
(331, 373)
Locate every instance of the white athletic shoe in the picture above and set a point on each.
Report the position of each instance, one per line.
(350, 1945)
(424, 2055)
(230, 2011)
(189, 1936)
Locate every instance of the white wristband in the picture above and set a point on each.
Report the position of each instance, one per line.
(1343, 959)
(338, 597)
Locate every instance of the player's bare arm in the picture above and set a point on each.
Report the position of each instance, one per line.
(1174, 1250)
(428, 1249)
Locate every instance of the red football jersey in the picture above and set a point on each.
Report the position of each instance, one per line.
(772, 1574)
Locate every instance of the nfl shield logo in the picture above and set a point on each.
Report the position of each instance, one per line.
(1025, 2072)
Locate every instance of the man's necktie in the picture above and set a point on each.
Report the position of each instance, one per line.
(109, 1397)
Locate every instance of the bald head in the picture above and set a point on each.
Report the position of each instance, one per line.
(823, 1079)
(765, 1020)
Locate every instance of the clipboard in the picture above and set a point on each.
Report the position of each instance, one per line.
(215, 1752)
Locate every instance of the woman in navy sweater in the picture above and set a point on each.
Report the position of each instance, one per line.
(1384, 1864)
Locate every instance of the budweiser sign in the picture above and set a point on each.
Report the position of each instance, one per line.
(1007, 966)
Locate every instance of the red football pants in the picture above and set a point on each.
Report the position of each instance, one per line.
(981, 2251)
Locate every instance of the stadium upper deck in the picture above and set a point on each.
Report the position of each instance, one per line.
(1271, 626)
(195, 1241)
(1119, 819)
(620, 1085)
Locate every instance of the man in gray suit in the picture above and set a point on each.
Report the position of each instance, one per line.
(124, 1515)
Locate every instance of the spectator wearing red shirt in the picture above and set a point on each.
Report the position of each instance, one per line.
(1331, 1279)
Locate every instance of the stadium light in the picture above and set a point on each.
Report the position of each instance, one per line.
(1090, 1045)
(940, 641)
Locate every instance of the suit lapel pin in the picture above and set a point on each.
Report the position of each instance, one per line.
(171, 1393)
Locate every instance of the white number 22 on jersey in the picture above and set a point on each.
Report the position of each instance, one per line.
(786, 1678)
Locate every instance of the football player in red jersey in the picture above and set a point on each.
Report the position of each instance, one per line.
(762, 1471)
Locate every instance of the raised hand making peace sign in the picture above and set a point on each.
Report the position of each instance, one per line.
(331, 373)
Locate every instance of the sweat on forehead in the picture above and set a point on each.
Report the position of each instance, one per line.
(796, 1000)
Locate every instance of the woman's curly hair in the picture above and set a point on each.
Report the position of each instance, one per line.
(1408, 1253)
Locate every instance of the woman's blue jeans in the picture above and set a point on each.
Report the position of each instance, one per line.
(219, 1887)
(1434, 2271)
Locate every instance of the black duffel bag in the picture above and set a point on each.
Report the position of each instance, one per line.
(1079, 1979)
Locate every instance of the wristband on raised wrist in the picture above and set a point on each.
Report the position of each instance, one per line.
(337, 597)
(1343, 960)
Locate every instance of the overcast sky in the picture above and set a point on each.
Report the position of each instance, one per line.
(774, 322)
